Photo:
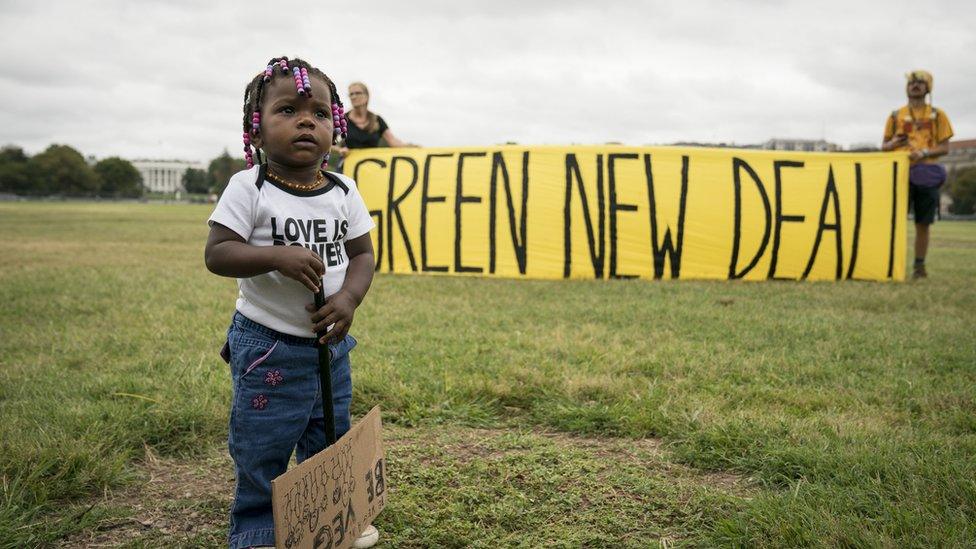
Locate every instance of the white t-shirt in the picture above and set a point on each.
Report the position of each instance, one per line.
(321, 220)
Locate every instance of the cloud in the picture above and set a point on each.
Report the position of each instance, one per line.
(166, 79)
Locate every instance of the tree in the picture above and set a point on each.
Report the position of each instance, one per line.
(118, 177)
(61, 170)
(14, 170)
(221, 168)
(963, 192)
(196, 181)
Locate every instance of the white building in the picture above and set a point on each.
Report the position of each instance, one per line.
(164, 176)
(806, 145)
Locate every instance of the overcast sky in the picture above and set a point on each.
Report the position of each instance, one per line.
(165, 79)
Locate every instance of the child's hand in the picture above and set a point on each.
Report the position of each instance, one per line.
(338, 310)
(301, 264)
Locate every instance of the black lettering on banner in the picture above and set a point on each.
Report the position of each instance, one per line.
(894, 217)
(857, 220)
(738, 165)
(519, 240)
(667, 246)
(830, 191)
(393, 208)
(424, 200)
(614, 208)
(377, 213)
(460, 198)
(355, 169)
(597, 250)
(778, 165)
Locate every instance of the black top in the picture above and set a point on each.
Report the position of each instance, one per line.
(357, 138)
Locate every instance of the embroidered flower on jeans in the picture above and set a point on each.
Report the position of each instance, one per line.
(259, 402)
(273, 378)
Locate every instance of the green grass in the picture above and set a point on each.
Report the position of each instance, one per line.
(851, 406)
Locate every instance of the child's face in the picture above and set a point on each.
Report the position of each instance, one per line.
(296, 130)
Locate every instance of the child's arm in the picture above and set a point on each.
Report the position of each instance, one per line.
(341, 306)
(227, 254)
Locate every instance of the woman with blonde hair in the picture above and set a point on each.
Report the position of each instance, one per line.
(366, 128)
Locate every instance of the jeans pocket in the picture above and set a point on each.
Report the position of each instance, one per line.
(342, 348)
(255, 353)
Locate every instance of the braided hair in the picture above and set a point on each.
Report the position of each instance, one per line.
(300, 70)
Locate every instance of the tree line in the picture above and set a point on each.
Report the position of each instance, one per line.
(62, 170)
(216, 176)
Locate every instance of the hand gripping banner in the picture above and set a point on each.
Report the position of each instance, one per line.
(636, 212)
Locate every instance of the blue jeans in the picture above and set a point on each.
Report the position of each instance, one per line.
(277, 409)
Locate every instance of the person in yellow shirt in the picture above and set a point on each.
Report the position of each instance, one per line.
(924, 131)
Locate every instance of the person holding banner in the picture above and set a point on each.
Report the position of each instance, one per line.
(286, 228)
(366, 129)
(924, 131)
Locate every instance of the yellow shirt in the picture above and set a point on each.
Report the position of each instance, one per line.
(924, 131)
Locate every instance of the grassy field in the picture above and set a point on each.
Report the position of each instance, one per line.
(519, 413)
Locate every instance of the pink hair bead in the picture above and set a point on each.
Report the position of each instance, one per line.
(298, 80)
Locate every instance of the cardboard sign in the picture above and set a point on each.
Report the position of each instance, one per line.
(327, 500)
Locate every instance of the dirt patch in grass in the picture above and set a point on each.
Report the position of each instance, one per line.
(177, 501)
(184, 502)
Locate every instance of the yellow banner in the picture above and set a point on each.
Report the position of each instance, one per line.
(636, 212)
